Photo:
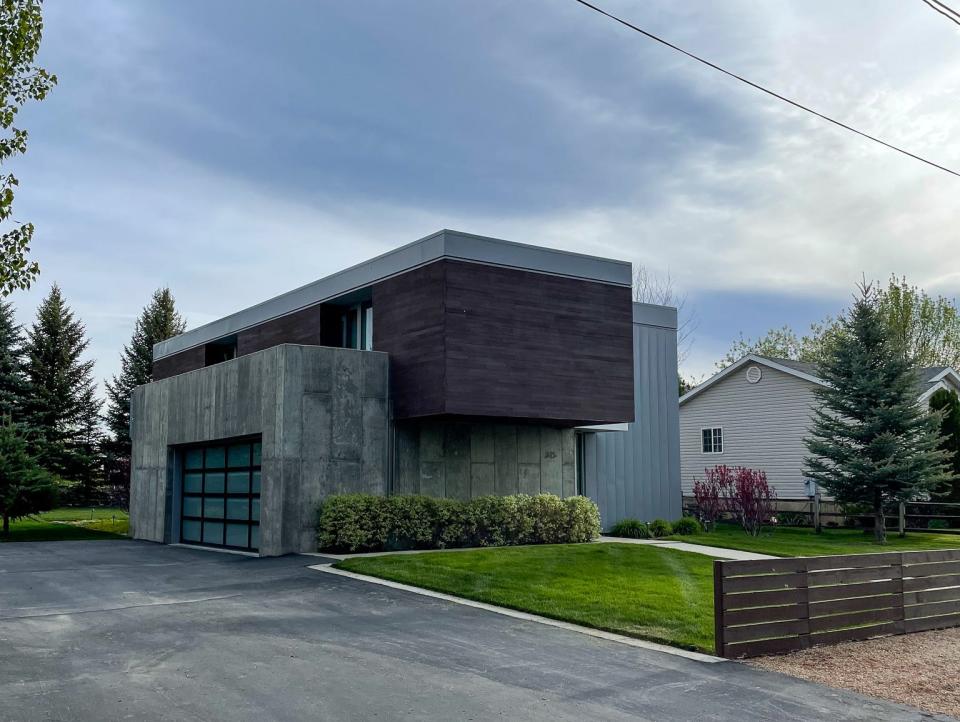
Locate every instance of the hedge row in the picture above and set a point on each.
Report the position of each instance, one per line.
(363, 522)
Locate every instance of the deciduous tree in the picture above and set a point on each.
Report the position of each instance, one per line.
(21, 28)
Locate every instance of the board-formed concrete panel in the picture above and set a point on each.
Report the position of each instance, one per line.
(322, 417)
(460, 459)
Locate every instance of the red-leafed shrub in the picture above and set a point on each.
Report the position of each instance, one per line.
(738, 491)
(751, 500)
(711, 494)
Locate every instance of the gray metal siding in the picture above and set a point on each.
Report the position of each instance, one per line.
(636, 473)
(764, 425)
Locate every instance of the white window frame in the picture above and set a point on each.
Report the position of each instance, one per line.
(711, 429)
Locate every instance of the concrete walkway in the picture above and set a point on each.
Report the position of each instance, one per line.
(716, 552)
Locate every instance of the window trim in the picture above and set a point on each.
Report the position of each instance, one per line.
(711, 429)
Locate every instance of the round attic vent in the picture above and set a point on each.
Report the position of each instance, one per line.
(753, 374)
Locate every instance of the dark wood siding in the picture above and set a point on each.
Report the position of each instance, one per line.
(178, 363)
(302, 327)
(531, 345)
(475, 340)
(408, 323)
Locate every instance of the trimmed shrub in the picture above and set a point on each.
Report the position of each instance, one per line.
(687, 525)
(660, 527)
(363, 522)
(630, 529)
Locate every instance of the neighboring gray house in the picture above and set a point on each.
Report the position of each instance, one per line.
(455, 366)
(756, 413)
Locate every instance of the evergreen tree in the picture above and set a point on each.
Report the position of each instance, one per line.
(62, 407)
(871, 443)
(158, 321)
(947, 404)
(24, 487)
(13, 384)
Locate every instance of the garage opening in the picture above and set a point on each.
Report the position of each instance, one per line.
(220, 499)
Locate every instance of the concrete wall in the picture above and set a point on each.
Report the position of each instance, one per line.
(636, 473)
(323, 416)
(466, 459)
(763, 424)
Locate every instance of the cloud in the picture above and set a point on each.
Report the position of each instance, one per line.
(237, 153)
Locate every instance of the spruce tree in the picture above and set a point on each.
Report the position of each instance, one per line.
(62, 407)
(871, 442)
(158, 321)
(13, 383)
(25, 488)
(947, 404)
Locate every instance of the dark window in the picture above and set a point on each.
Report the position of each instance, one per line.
(220, 500)
(220, 351)
(356, 326)
(712, 440)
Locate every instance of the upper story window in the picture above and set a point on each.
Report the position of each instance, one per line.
(220, 350)
(712, 440)
(356, 326)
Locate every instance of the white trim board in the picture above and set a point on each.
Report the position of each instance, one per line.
(525, 616)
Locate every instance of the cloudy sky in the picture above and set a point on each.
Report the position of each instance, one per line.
(234, 150)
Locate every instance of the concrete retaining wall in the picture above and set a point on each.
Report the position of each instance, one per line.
(323, 416)
(462, 460)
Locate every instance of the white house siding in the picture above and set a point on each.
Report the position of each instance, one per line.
(764, 425)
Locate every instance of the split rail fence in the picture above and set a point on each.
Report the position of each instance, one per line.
(774, 606)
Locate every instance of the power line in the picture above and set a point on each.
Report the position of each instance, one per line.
(762, 89)
(944, 10)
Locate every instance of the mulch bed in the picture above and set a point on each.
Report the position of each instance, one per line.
(922, 670)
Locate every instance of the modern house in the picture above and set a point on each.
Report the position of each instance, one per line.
(455, 366)
(757, 412)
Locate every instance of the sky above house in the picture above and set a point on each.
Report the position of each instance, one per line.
(235, 150)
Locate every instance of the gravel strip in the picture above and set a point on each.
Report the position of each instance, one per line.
(922, 670)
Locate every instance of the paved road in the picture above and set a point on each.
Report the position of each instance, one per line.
(130, 630)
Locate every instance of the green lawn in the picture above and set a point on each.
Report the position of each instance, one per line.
(70, 523)
(802, 542)
(657, 594)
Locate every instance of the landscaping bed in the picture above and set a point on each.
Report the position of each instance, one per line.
(72, 523)
(803, 542)
(657, 594)
(920, 669)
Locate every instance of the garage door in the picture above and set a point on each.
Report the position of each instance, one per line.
(220, 499)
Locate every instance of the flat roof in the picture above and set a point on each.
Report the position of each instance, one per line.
(442, 244)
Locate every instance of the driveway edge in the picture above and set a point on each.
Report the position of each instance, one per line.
(525, 616)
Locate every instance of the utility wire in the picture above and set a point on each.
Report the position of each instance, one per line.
(756, 86)
(944, 10)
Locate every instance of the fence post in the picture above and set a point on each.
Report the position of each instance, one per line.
(898, 606)
(718, 608)
(902, 519)
(817, 528)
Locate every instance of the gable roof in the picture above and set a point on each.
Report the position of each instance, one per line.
(933, 378)
(928, 379)
(800, 369)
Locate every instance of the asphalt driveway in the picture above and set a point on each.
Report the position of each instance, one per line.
(130, 630)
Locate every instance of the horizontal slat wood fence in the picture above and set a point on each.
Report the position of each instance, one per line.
(774, 606)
